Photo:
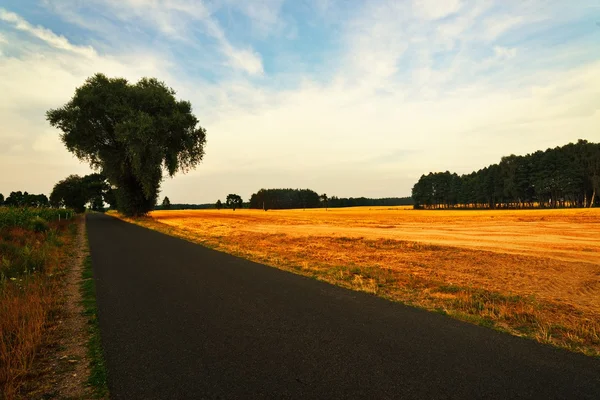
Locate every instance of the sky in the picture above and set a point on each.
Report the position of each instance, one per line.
(346, 97)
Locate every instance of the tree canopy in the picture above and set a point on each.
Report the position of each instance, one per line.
(234, 201)
(24, 199)
(567, 176)
(166, 204)
(70, 192)
(131, 133)
(76, 192)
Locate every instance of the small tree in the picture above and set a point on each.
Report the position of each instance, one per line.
(75, 192)
(1, 199)
(324, 199)
(166, 204)
(234, 201)
(219, 205)
(70, 192)
(15, 199)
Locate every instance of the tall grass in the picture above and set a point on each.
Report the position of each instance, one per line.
(25, 217)
(32, 254)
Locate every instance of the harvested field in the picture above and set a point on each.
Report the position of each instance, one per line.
(533, 273)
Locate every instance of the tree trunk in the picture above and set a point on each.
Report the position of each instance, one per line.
(593, 198)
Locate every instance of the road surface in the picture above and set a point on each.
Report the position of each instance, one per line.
(180, 321)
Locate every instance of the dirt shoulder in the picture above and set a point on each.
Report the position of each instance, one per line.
(61, 370)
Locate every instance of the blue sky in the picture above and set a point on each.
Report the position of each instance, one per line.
(351, 98)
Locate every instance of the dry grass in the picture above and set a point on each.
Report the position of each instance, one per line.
(533, 273)
(31, 264)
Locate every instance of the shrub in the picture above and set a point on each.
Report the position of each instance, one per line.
(38, 224)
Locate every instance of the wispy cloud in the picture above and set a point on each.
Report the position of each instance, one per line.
(434, 9)
(180, 20)
(56, 41)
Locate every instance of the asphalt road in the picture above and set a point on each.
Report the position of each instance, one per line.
(180, 321)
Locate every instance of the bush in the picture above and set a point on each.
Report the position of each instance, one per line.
(38, 224)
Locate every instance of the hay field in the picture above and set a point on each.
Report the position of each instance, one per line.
(533, 273)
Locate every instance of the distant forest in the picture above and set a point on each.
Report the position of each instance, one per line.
(567, 176)
(278, 199)
(177, 206)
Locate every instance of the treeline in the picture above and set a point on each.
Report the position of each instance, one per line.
(567, 176)
(277, 199)
(365, 201)
(182, 206)
(24, 199)
(74, 192)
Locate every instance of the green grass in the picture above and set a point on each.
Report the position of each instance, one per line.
(98, 373)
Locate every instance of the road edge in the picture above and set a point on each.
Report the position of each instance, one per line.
(98, 373)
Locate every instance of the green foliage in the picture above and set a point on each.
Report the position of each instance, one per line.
(567, 176)
(166, 204)
(324, 199)
(1, 199)
(75, 192)
(24, 252)
(96, 188)
(130, 132)
(22, 217)
(218, 205)
(24, 199)
(234, 201)
(38, 224)
(70, 192)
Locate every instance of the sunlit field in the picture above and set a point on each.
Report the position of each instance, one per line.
(533, 273)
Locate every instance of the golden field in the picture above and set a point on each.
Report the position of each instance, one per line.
(533, 273)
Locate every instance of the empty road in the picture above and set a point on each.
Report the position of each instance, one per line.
(180, 321)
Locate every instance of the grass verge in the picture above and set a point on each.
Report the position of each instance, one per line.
(98, 373)
(33, 259)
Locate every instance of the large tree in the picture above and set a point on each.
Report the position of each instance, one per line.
(131, 133)
(1, 199)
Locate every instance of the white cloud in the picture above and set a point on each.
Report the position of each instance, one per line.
(244, 59)
(44, 75)
(265, 15)
(180, 20)
(436, 9)
(56, 41)
(505, 52)
(497, 25)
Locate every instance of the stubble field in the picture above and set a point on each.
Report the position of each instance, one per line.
(532, 273)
